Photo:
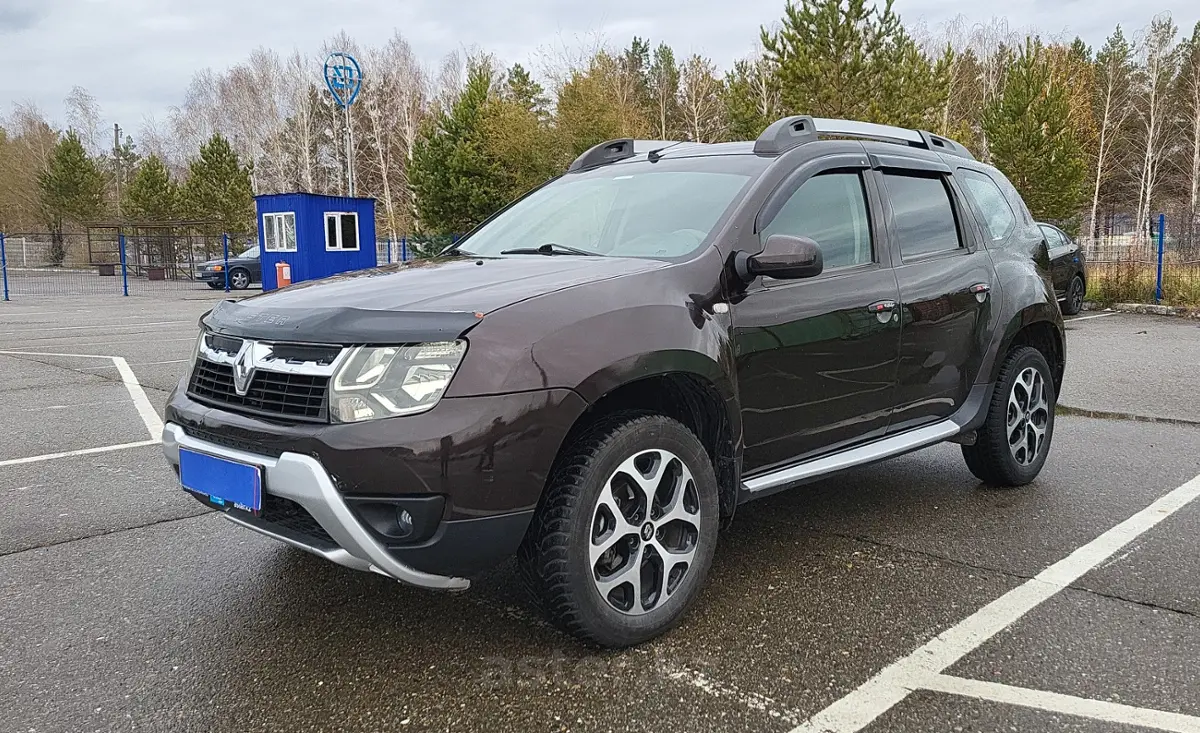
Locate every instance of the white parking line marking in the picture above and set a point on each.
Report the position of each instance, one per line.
(145, 410)
(136, 363)
(153, 423)
(77, 328)
(879, 694)
(1088, 318)
(1066, 704)
(84, 452)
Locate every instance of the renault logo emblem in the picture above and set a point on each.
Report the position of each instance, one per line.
(243, 369)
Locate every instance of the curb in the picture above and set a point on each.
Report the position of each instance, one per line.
(1062, 409)
(1146, 309)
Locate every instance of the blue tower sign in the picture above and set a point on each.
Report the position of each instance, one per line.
(343, 77)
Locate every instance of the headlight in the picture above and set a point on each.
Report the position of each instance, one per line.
(217, 268)
(388, 381)
(191, 367)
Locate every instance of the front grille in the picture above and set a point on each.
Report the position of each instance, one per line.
(288, 519)
(274, 394)
(224, 439)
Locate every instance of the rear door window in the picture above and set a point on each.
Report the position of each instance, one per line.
(923, 214)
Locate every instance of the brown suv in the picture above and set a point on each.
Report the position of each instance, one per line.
(603, 371)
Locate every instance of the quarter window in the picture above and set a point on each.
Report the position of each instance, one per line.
(830, 209)
(279, 232)
(341, 231)
(924, 217)
(989, 200)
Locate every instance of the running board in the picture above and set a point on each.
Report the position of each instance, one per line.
(877, 451)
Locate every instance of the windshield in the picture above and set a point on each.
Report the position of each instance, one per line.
(251, 253)
(654, 210)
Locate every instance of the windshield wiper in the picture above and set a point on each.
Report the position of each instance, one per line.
(550, 248)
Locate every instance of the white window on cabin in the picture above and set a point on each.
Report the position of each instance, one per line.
(341, 231)
(279, 232)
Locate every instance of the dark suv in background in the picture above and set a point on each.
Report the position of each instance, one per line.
(1068, 268)
(603, 371)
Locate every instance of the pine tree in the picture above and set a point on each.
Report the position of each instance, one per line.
(218, 189)
(71, 191)
(522, 89)
(151, 195)
(1032, 140)
(853, 59)
(457, 184)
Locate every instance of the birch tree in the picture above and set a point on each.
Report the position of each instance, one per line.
(1188, 94)
(1155, 78)
(84, 117)
(700, 99)
(1111, 107)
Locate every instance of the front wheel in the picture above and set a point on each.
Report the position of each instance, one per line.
(1011, 447)
(239, 279)
(623, 540)
(1074, 301)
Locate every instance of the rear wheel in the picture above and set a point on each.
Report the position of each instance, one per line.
(1075, 292)
(1011, 447)
(621, 545)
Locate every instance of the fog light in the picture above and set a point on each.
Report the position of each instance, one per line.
(405, 521)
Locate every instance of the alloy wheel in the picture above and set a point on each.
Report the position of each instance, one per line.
(1076, 295)
(239, 279)
(1028, 416)
(644, 532)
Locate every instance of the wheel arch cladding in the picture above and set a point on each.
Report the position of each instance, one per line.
(704, 405)
(1043, 334)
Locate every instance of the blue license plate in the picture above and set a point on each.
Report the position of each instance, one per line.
(223, 482)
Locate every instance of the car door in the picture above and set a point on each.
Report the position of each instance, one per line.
(946, 281)
(816, 358)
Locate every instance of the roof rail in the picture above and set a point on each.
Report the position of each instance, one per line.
(785, 134)
(603, 154)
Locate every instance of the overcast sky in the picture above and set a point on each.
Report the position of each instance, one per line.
(137, 56)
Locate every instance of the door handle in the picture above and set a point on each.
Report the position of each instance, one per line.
(882, 310)
(980, 291)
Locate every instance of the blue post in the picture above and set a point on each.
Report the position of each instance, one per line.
(4, 268)
(1162, 232)
(124, 266)
(225, 269)
(404, 249)
(389, 246)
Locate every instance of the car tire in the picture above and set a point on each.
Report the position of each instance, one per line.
(1074, 300)
(578, 558)
(239, 278)
(1011, 447)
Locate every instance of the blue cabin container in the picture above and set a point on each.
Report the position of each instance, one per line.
(317, 235)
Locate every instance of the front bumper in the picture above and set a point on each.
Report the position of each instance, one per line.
(303, 479)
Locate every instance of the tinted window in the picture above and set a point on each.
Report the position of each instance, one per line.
(1053, 240)
(989, 201)
(923, 214)
(830, 209)
(656, 210)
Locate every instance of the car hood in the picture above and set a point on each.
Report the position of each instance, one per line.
(424, 300)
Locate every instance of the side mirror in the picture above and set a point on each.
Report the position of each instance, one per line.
(784, 257)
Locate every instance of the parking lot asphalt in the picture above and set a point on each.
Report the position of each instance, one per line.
(127, 605)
